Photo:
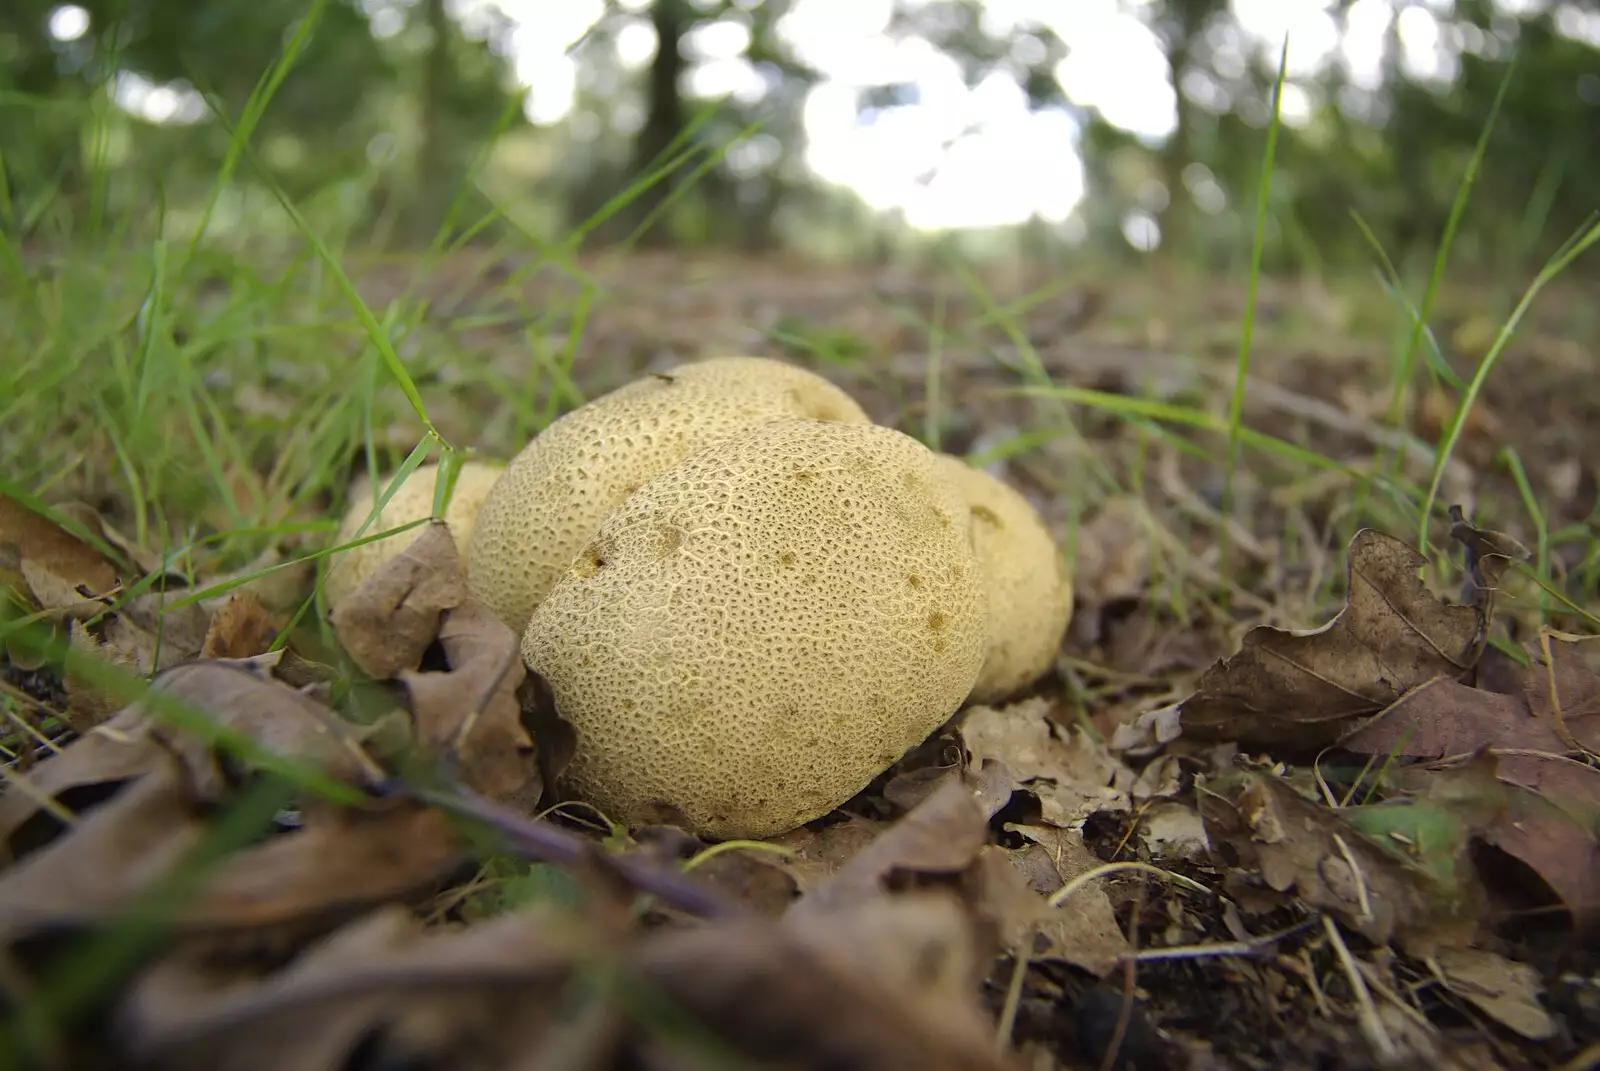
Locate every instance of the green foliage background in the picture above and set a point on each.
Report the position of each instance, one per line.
(376, 134)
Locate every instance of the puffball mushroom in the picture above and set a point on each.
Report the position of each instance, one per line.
(1029, 586)
(411, 501)
(763, 628)
(570, 477)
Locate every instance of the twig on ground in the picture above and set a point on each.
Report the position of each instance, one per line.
(1367, 1012)
(540, 840)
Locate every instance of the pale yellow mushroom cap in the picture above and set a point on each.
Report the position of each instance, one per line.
(1028, 583)
(411, 501)
(571, 476)
(761, 630)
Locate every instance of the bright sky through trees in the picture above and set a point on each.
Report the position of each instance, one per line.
(958, 156)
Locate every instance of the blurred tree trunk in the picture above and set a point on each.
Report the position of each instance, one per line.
(665, 118)
(1184, 23)
(431, 197)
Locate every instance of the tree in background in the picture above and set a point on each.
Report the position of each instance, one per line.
(360, 79)
(391, 101)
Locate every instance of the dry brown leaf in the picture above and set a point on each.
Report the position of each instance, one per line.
(1172, 831)
(108, 855)
(163, 785)
(817, 854)
(1303, 688)
(756, 879)
(471, 712)
(141, 558)
(388, 622)
(115, 642)
(1445, 717)
(241, 628)
(174, 633)
(883, 984)
(30, 538)
(381, 987)
(93, 764)
(144, 636)
(941, 836)
(1543, 833)
(1552, 820)
(283, 720)
(1504, 990)
(1083, 931)
(1259, 824)
(1071, 773)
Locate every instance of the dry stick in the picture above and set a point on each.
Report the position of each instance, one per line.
(1227, 948)
(540, 840)
(1371, 1025)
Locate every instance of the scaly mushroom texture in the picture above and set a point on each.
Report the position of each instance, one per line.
(571, 476)
(762, 629)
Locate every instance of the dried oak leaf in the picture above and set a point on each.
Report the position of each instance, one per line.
(1083, 931)
(817, 854)
(388, 622)
(1514, 707)
(939, 838)
(1530, 723)
(134, 742)
(382, 991)
(144, 636)
(471, 712)
(1258, 824)
(31, 543)
(1071, 773)
(241, 627)
(168, 786)
(1503, 989)
(1303, 688)
(884, 984)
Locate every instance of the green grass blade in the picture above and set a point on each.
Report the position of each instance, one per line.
(1247, 328)
(376, 332)
(254, 108)
(1570, 251)
(1457, 209)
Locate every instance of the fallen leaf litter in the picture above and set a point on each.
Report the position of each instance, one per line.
(878, 937)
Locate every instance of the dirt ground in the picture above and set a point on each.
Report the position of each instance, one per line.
(1227, 947)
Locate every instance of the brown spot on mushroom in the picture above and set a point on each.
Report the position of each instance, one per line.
(987, 516)
(914, 581)
(669, 540)
(937, 621)
(786, 559)
(590, 562)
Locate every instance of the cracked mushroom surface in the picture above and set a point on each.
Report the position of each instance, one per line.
(1029, 585)
(574, 473)
(411, 501)
(761, 630)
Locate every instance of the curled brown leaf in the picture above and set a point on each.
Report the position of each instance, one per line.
(1304, 688)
